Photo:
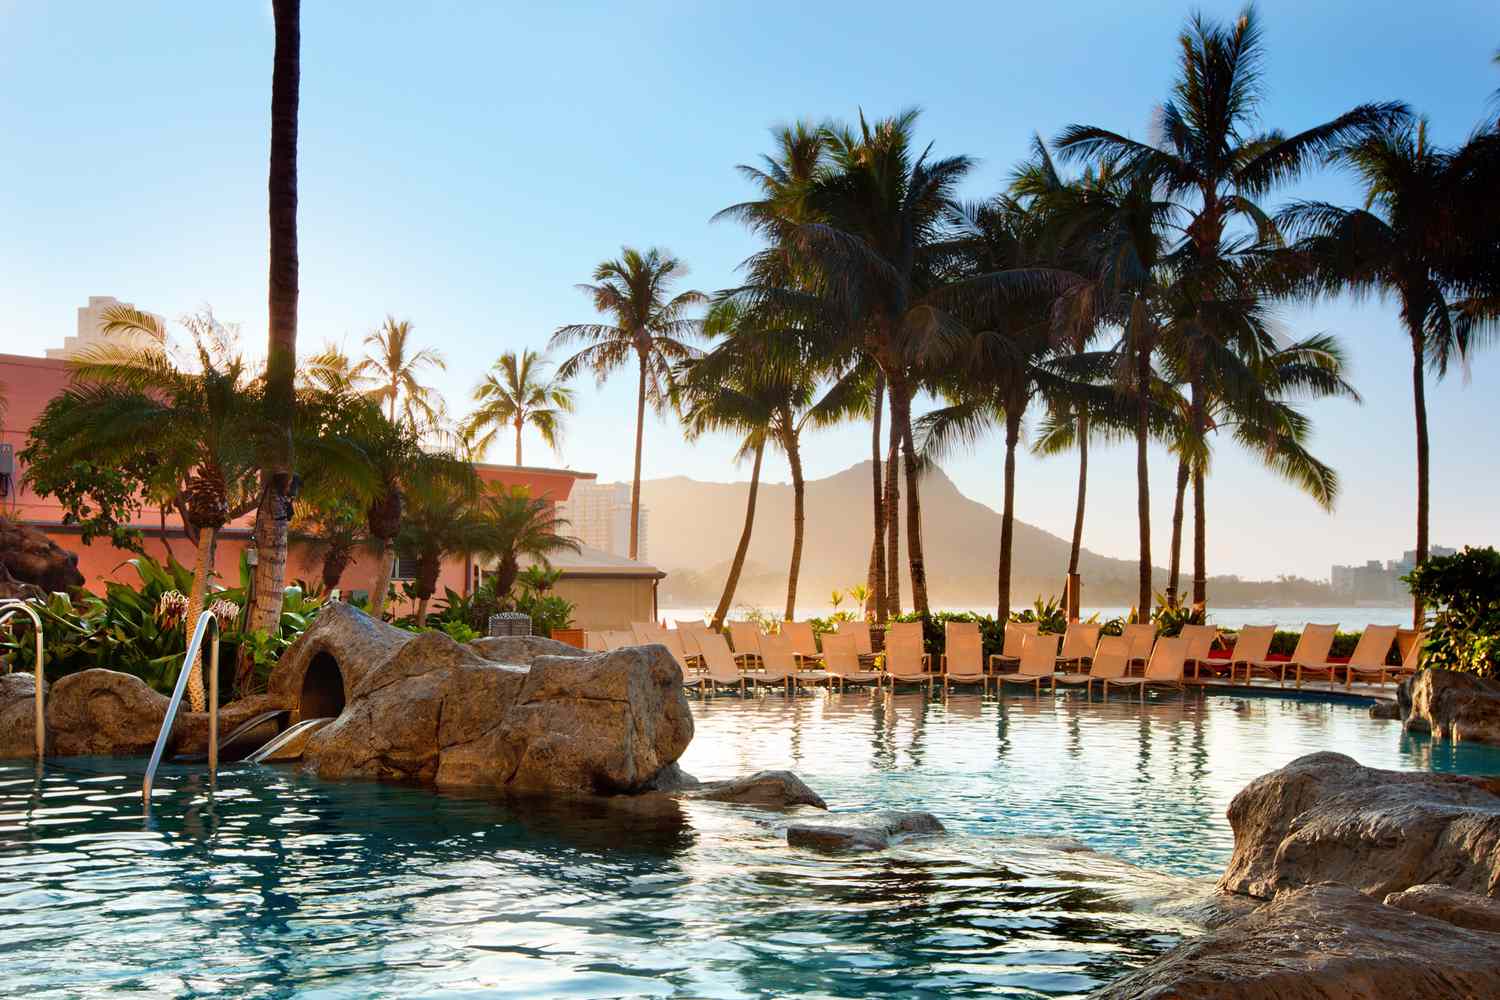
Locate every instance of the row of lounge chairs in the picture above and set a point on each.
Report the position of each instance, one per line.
(793, 657)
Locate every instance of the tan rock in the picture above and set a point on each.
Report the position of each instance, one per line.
(873, 832)
(328, 661)
(1326, 818)
(18, 714)
(1453, 706)
(103, 712)
(1465, 909)
(774, 789)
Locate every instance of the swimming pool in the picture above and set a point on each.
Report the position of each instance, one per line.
(282, 885)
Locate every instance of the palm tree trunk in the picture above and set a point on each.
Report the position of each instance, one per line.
(1083, 486)
(335, 561)
(893, 524)
(799, 519)
(916, 564)
(877, 548)
(635, 483)
(1419, 398)
(382, 583)
(1175, 575)
(518, 442)
(202, 568)
(268, 580)
(1008, 515)
(730, 584)
(1200, 520)
(1143, 484)
(422, 612)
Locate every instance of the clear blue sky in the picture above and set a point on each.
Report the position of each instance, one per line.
(465, 167)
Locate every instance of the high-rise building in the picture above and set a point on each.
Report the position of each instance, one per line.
(1377, 581)
(598, 515)
(91, 328)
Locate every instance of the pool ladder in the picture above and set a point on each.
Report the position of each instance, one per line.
(8, 610)
(205, 621)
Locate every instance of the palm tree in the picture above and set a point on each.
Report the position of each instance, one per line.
(443, 517)
(203, 429)
(524, 527)
(515, 394)
(1401, 243)
(335, 529)
(395, 368)
(648, 327)
(1210, 158)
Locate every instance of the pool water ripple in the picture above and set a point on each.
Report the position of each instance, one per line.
(280, 885)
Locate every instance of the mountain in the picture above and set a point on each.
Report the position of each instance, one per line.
(695, 526)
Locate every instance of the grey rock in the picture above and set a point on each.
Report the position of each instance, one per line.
(18, 714)
(873, 832)
(1323, 942)
(1385, 710)
(1325, 818)
(774, 789)
(1464, 909)
(1454, 706)
(522, 650)
(329, 660)
(33, 565)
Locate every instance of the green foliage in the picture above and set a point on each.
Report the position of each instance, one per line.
(1169, 619)
(1048, 611)
(1463, 591)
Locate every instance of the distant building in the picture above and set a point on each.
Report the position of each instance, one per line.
(90, 328)
(1377, 581)
(598, 515)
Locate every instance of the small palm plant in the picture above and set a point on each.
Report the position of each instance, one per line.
(524, 527)
(394, 368)
(514, 394)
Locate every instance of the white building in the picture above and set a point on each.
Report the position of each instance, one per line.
(598, 515)
(90, 328)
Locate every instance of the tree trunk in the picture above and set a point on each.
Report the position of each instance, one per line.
(202, 569)
(635, 483)
(893, 524)
(730, 584)
(1200, 520)
(335, 561)
(799, 519)
(274, 512)
(1419, 398)
(382, 582)
(909, 465)
(519, 426)
(422, 611)
(877, 548)
(1175, 574)
(1143, 484)
(1083, 485)
(1008, 515)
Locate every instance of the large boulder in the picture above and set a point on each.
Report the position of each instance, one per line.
(1465, 909)
(1326, 818)
(28, 558)
(1452, 705)
(104, 713)
(874, 832)
(1322, 942)
(18, 714)
(343, 643)
(768, 789)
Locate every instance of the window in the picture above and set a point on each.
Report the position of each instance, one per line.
(406, 568)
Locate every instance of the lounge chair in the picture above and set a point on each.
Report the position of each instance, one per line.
(1111, 659)
(618, 638)
(802, 638)
(841, 660)
(905, 663)
(1369, 654)
(1200, 640)
(1141, 639)
(1079, 642)
(720, 670)
(1014, 644)
(1252, 645)
(898, 630)
(673, 641)
(1163, 669)
(1411, 660)
(593, 641)
(779, 660)
(963, 660)
(691, 633)
(646, 632)
(1038, 662)
(1311, 654)
(951, 629)
(745, 638)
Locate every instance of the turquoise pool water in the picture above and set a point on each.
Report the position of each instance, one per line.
(283, 886)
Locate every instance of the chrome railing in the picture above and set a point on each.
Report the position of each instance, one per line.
(194, 650)
(8, 610)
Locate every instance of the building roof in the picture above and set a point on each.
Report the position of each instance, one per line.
(596, 562)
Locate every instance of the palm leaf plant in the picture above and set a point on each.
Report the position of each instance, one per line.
(395, 367)
(514, 394)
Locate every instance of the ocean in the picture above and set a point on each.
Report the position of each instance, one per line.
(1291, 619)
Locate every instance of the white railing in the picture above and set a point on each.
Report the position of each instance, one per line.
(8, 610)
(188, 662)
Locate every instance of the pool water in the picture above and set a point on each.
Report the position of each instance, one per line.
(281, 885)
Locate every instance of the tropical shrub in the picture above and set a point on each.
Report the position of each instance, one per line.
(1169, 618)
(1462, 592)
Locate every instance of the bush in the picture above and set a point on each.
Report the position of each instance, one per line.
(1462, 593)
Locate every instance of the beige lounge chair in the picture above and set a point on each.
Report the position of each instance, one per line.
(1369, 654)
(1141, 638)
(1252, 645)
(1038, 662)
(779, 660)
(1411, 660)
(802, 638)
(899, 630)
(1163, 669)
(646, 632)
(745, 638)
(673, 641)
(720, 670)
(841, 660)
(1111, 659)
(905, 663)
(1311, 655)
(618, 638)
(1079, 642)
(1013, 645)
(951, 629)
(963, 660)
(691, 633)
(1200, 640)
(593, 641)
(860, 630)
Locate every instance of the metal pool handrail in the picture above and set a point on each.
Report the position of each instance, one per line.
(194, 649)
(11, 608)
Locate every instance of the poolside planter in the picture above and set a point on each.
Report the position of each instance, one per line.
(571, 636)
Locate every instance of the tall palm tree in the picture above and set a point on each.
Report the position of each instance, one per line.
(1401, 243)
(650, 326)
(525, 526)
(395, 369)
(516, 393)
(1210, 158)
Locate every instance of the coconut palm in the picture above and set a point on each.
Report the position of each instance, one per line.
(650, 326)
(516, 393)
(1402, 243)
(443, 517)
(1210, 159)
(525, 527)
(395, 369)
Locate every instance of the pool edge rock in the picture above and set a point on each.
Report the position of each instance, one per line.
(1452, 705)
(869, 832)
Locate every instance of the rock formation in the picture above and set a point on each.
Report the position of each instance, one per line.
(1464, 909)
(104, 713)
(18, 715)
(28, 558)
(873, 832)
(1452, 706)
